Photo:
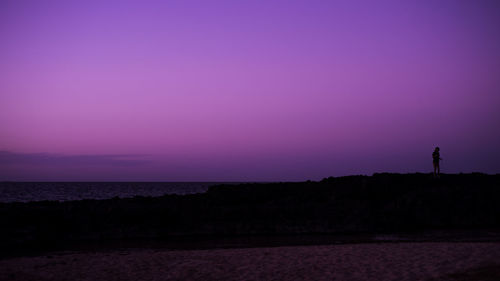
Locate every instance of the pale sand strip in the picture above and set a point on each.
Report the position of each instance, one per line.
(387, 261)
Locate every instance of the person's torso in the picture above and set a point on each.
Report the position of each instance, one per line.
(435, 156)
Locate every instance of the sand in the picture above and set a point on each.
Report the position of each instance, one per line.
(375, 261)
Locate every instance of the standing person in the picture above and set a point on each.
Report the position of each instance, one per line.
(435, 161)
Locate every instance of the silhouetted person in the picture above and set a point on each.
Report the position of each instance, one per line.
(435, 161)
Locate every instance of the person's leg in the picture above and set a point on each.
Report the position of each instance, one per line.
(439, 170)
(434, 164)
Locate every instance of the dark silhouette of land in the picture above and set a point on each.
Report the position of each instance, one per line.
(353, 207)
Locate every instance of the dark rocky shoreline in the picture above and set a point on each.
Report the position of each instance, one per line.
(359, 207)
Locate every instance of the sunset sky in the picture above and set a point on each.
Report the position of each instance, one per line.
(246, 90)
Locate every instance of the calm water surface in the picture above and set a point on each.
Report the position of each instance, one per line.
(64, 191)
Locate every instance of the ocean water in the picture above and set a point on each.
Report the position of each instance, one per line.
(65, 191)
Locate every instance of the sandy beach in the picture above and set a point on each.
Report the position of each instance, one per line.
(373, 261)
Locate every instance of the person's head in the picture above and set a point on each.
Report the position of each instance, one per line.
(437, 148)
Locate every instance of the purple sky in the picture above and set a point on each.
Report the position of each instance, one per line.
(246, 90)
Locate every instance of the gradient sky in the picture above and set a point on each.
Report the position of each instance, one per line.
(246, 90)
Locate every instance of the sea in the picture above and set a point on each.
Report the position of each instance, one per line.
(68, 191)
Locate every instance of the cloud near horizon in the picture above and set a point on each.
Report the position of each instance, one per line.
(13, 158)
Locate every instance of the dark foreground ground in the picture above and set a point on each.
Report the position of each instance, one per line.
(354, 209)
(449, 261)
